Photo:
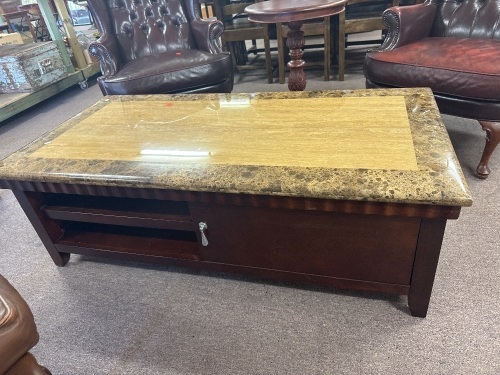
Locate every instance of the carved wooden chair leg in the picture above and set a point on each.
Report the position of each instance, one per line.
(492, 130)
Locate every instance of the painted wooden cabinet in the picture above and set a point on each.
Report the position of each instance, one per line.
(30, 67)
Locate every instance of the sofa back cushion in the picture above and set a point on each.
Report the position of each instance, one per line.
(149, 27)
(467, 19)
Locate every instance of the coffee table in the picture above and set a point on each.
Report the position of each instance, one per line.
(348, 189)
(294, 12)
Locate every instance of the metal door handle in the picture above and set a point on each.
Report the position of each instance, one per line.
(203, 226)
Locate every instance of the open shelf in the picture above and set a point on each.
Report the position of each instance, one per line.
(144, 241)
(144, 213)
(122, 225)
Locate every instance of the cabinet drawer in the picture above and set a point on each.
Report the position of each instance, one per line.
(357, 247)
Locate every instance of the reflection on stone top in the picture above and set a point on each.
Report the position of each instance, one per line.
(366, 145)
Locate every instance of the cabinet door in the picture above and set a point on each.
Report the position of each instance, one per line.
(357, 247)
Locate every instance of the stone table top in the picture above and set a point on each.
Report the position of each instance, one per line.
(362, 145)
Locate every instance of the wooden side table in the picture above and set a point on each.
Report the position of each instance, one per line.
(294, 12)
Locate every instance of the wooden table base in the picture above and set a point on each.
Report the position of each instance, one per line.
(295, 41)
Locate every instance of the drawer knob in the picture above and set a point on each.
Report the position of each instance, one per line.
(203, 227)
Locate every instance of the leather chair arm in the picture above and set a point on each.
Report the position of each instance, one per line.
(27, 365)
(106, 51)
(407, 24)
(18, 332)
(207, 34)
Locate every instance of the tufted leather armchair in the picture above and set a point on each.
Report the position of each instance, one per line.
(158, 46)
(18, 334)
(453, 47)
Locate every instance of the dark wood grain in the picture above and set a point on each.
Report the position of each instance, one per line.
(424, 270)
(300, 203)
(131, 219)
(48, 230)
(274, 11)
(492, 129)
(258, 274)
(147, 213)
(295, 42)
(358, 247)
(126, 240)
(370, 246)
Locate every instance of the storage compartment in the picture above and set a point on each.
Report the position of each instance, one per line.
(138, 226)
(144, 241)
(146, 213)
(357, 247)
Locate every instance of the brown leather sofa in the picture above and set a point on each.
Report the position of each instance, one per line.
(18, 334)
(158, 46)
(453, 47)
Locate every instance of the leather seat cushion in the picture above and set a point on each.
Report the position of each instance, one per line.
(18, 332)
(170, 72)
(462, 67)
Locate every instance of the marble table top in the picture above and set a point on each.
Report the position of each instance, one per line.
(363, 145)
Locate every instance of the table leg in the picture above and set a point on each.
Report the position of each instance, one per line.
(295, 41)
(429, 244)
(48, 230)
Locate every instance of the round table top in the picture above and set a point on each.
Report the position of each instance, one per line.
(273, 11)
